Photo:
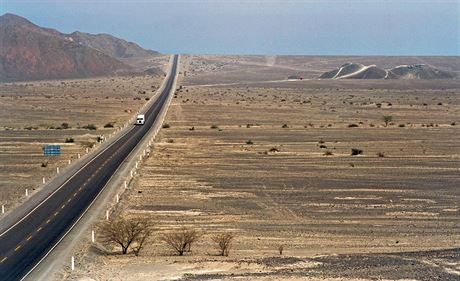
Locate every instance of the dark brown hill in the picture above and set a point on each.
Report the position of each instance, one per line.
(29, 52)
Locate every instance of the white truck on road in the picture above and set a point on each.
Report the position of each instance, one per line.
(140, 120)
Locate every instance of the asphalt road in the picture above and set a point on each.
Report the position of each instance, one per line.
(27, 242)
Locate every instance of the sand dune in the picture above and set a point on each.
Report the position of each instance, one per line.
(360, 71)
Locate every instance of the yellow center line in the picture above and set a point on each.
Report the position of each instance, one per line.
(39, 229)
(55, 214)
(28, 238)
(48, 221)
(17, 248)
(69, 200)
(4, 259)
(63, 205)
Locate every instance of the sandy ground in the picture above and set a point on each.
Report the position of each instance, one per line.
(32, 114)
(211, 70)
(274, 166)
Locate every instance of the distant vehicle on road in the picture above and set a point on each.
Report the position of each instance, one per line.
(140, 120)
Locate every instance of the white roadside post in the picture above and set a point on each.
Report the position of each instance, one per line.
(57, 170)
(136, 164)
(87, 149)
(27, 192)
(72, 263)
(107, 215)
(118, 198)
(126, 184)
(3, 209)
(69, 161)
(93, 237)
(131, 173)
(78, 155)
(44, 180)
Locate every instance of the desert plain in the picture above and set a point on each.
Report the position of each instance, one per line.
(247, 151)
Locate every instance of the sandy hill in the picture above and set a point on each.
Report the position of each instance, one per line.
(355, 71)
(30, 52)
(419, 71)
(360, 71)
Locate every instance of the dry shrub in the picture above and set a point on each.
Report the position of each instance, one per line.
(224, 242)
(180, 240)
(281, 249)
(127, 233)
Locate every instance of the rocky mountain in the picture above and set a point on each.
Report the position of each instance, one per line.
(360, 71)
(30, 52)
(110, 45)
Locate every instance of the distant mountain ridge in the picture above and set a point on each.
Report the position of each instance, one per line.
(360, 71)
(30, 52)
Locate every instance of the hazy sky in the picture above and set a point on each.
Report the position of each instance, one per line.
(379, 27)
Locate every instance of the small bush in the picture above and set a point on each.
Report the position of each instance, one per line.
(322, 146)
(353, 125)
(328, 153)
(249, 142)
(356, 151)
(281, 249)
(192, 128)
(214, 127)
(29, 128)
(224, 242)
(401, 125)
(166, 126)
(108, 125)
(44, 164)
(90, 127)
(69, 140)
(170, 141)
(285, 126)
(387, 119)
(65, 126)
(381, 154)
(274, 149)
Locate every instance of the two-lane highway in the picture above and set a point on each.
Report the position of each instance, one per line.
(24, 244)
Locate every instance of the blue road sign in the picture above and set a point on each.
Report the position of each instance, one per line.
(52, 150)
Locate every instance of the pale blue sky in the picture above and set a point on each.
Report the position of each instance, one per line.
(379, 27)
